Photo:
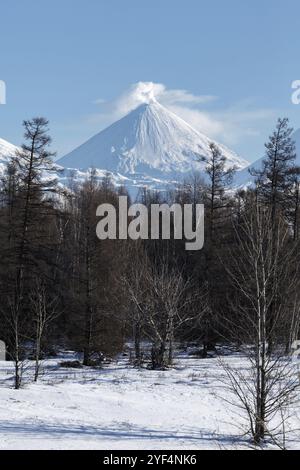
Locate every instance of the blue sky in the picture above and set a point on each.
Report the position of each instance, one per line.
(76, 62)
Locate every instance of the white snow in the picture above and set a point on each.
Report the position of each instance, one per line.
(7, 151)
(150, 147)
(120, 407)
(150, 142)
(243, 179)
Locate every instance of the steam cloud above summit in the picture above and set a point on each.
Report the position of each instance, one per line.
(203, 112)
(179, 101)
(145, 92)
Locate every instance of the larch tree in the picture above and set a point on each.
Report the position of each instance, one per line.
(275, 182)
(33, 166)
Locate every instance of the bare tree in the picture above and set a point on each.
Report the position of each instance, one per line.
(219, 176)
(294, 202)
(271, 382)
(17, 324)
(169, 308)
(32, 160)
(44, 312)
(219, 179)
(134, 282)
(275, 184)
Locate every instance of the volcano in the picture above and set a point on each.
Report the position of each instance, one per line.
(149, 144)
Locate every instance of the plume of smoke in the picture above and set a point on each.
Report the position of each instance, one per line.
(227, 125)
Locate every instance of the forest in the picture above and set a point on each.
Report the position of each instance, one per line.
(63, 288)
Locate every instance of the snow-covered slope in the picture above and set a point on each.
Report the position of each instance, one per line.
(150, 147)
(243, 177)
(150, 143)
(7, 151)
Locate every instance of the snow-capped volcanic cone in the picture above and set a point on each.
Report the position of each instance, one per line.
(150, 142)
(7, 151)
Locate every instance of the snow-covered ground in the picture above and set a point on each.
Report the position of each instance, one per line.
(120, 407)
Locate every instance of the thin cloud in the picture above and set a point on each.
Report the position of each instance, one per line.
(229, 125)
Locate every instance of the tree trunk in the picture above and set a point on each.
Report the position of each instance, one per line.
(37, 359)
(137, 343)
(89, 309)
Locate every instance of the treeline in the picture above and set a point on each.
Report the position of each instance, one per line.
(60, 286)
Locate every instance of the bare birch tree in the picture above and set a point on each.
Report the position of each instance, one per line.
(269, 386)
(44, 311)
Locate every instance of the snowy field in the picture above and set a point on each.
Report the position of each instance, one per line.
(120, 407)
